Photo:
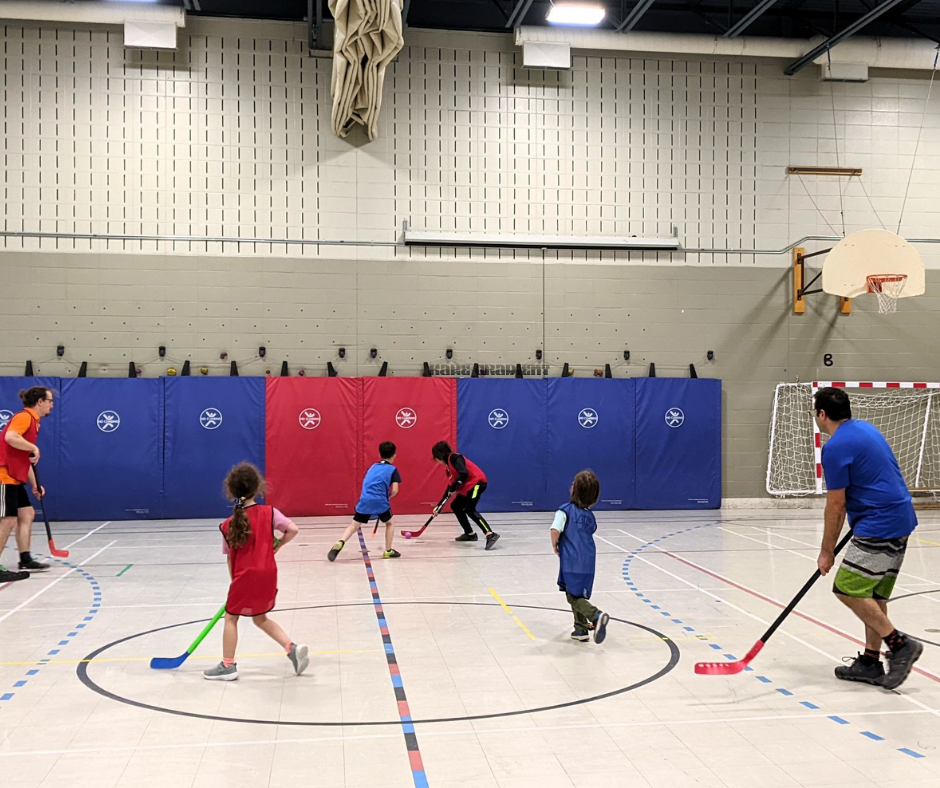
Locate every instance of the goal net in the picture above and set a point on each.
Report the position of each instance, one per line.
(908, 415)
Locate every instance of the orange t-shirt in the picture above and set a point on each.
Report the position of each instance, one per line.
(19, 424)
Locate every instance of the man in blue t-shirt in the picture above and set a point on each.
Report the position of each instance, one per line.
(864, 480)
(379, 486)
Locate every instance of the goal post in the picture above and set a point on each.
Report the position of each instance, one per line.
(907, 414)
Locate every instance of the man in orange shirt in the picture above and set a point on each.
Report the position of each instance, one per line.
(18, 454)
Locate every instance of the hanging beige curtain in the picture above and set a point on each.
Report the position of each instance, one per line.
(366, 39)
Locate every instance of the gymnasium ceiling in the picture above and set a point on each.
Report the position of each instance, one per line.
(785, 18)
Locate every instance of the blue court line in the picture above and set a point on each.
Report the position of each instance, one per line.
(625, 572)
(418, 774)
(96, 606)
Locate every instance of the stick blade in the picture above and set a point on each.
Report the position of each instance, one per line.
(168, 663)
(57, 553)
(719, 668)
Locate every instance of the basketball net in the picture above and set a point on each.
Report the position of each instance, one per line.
(887, 287)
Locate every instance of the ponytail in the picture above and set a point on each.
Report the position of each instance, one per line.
(239, 529)
(243, 482)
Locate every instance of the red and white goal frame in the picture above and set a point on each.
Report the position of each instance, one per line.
(907, 413)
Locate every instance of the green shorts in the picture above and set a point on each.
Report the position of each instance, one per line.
(870, 568)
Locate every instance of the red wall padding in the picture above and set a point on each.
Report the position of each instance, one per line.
(313, 470)
(414, 413)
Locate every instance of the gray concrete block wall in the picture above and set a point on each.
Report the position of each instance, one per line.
(488, 312)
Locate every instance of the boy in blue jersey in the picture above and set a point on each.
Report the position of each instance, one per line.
(573, 542)
(864, 480)
(379, 486)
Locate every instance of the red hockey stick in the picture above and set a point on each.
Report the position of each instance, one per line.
(410, 534)
(730, 668)
(45, 517)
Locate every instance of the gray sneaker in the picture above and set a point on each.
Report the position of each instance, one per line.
(600, 627)
(221, 673)
(298, 658)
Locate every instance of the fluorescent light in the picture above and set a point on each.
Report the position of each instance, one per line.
(413, 238)
(584, 14)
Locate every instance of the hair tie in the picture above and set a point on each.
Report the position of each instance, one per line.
(240, 503)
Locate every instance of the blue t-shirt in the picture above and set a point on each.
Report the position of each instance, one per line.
(858, 459)
(378, 479)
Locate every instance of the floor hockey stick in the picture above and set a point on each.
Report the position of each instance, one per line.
(170, 663)
(45, 517)
(421, 530)
(730, 668)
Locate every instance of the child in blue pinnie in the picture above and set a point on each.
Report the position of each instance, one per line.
(573, 542)
(379, 486)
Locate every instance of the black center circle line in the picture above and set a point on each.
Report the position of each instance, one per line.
(82, 673)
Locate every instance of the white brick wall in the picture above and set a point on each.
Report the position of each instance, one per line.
(229, 136)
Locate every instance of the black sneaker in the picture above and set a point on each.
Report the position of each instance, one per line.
(466, 538)
(33, 566)
(9, 577)
(335, 549)
(491, 538)
(581, 634)
(600, 627)
(901, 661)
(857, 670)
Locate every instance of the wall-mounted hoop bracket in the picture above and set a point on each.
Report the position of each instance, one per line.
(803, 288)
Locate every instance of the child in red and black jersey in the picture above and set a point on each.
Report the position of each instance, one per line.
(467, 483)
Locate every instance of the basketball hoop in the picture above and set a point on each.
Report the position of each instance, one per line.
(888, 288)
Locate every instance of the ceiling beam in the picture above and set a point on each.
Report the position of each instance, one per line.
(749, 18)
(634, 16)
(518, 14)
(502, 10)
(832, 41)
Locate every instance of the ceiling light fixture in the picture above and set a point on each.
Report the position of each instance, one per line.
(582, 14)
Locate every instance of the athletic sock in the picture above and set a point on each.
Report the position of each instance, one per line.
(894, 641)
(870, 657)
(26, 557)
(228, 662)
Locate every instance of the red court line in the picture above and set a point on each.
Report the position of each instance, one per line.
(774, 602)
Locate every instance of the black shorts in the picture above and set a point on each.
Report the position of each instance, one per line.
(13, 497)
(364, 518)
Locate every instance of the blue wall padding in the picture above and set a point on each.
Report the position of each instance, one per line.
(111, 449)
(120, 448)
(590, 424)
(48, 442)
(678, 443)
(211, 424)
(501, 427)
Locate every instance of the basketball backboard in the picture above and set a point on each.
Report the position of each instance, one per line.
(871, 252)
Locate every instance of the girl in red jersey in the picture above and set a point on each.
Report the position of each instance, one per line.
(250, 545)
(469, 483)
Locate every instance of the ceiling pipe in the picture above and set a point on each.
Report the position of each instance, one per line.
(890, 53)
(91, 13)
(145, 26)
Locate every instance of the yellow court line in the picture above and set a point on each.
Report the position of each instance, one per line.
(147, 659)
(515, 618)
(925, 541)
